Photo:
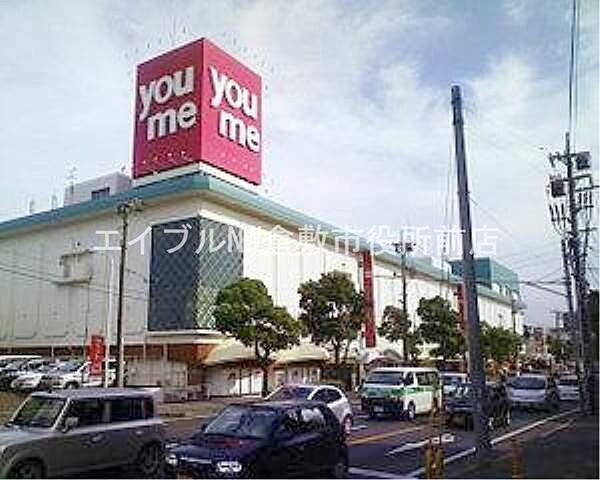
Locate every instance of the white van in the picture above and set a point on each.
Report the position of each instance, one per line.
(401, 391)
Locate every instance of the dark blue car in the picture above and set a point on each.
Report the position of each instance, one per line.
(287, 439)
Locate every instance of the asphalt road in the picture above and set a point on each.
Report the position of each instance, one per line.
(381, 448)
(392, 449)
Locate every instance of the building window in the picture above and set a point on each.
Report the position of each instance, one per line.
(186, 276)
(101, 193)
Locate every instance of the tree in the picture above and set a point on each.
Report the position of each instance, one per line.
(245, 310)
(440, 325)
(498, 343)
(395, 326)
(332, 311)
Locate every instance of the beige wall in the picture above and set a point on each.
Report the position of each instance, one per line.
(36, 310)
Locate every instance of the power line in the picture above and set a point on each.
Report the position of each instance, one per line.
(500, 225)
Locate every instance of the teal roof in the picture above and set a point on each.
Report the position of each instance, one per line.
(488, 272)
(242, 198)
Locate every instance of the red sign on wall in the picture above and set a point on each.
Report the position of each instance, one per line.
(96, 354)
(197, 104)
(369, 306)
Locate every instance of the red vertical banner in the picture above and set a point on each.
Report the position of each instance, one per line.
(369, 305)
(96, 354)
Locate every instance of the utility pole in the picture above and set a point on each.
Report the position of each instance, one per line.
(580, 283)
(573, 327)
(123, 210)
(564, 211)
(476, 367)
(402, 248)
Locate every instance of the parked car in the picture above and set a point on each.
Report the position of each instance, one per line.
(451, 381)
(461, 406)
(68, 432)
(401, 391)
(335, 399)
(20, 368)
(289, 439)
(75, 373)
(6, 360)
(568, 388)
(535, 391)
(30, 381)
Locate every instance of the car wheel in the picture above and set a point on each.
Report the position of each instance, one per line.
(71, 386)
(411, 412)
(149, 460)
(340, 469)
(347, 424)
(27, 469)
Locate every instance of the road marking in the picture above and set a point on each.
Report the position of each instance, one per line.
(363, 472)
(381, 436)
(531, 426)
(420, 471)
(562, 426)
(446, 438)
(356, 428)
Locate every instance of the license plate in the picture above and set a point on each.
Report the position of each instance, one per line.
(378, 409)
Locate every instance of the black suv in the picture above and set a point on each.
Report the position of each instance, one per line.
(287, 439)
(461, 406)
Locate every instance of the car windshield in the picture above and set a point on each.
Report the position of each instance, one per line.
(452, 380)
(48, 368)
(387, 378)
(568, 382)
(38, 412)
(291, 393)
(242, 422)
(69, 366)
(528, 383)
(462, 391)
(16, 365)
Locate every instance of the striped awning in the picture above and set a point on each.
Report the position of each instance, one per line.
(232, 351)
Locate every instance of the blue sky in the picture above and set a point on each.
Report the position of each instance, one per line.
(356, 124)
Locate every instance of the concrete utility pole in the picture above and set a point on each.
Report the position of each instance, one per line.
(123, 210)
(402, 248)
(565, 208)
(580, 283)
(476, 367)
(573, 328)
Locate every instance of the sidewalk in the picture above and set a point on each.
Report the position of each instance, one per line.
(569, 450)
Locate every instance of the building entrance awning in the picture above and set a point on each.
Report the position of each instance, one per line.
(305, 352)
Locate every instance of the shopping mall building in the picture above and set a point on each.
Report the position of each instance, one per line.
(200, 225)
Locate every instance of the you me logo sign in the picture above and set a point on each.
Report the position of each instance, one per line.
(197, 104)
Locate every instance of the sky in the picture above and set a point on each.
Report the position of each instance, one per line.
(356, 125)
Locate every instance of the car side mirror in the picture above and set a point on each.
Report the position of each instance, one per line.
(70, 423)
